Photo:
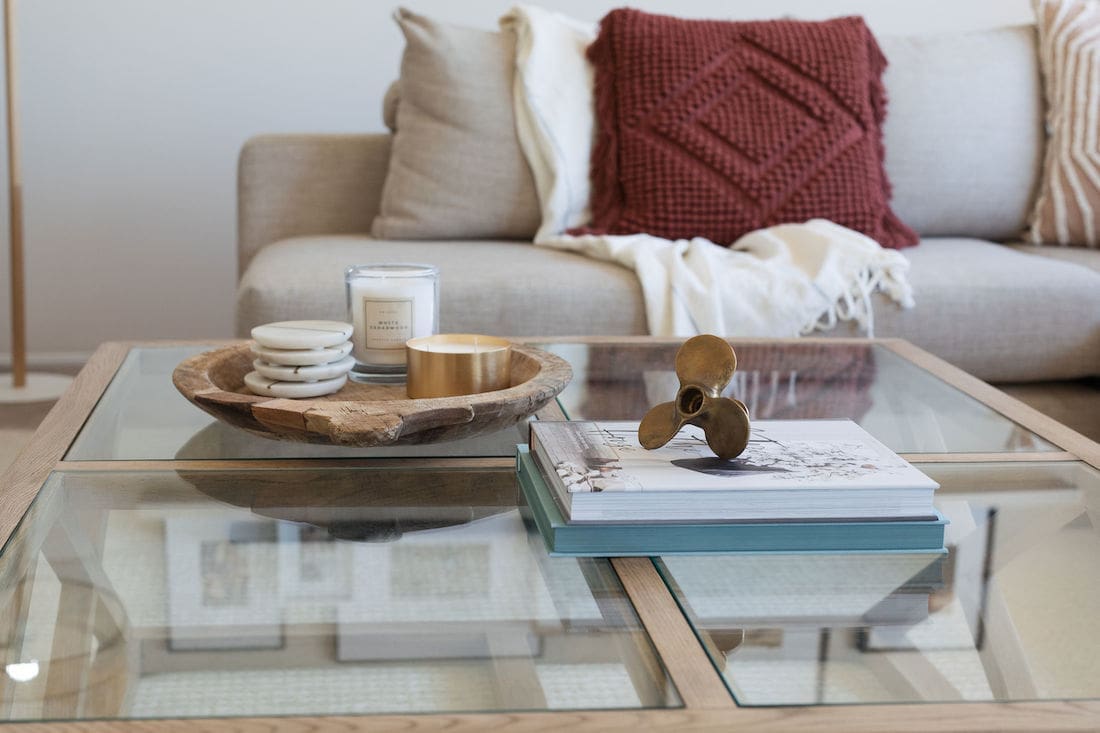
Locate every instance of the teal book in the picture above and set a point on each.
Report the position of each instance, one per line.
(625, 539)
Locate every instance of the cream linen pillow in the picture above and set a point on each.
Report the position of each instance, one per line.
(1067, 210)
(456, 170)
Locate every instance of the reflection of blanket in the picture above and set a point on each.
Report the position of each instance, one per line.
(777, 381)
(781, 281)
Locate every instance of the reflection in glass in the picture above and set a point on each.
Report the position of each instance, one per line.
(328, 591)
(907, 408)
(1007, 614)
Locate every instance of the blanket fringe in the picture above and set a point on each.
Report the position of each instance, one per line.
(886, 276)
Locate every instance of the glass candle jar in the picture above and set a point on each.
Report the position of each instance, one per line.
(388, 304)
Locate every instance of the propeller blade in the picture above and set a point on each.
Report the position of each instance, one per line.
(707, 361)
(659, 425)
(726, 424)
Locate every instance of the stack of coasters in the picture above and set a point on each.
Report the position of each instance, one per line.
(300, 358)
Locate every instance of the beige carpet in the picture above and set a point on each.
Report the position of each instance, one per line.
(1076, 404)
(17, 423)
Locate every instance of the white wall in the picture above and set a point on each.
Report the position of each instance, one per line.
(133, 112)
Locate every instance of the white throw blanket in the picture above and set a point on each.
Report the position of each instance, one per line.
(782, 281)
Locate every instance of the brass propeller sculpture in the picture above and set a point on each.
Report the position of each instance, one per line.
(705, 364)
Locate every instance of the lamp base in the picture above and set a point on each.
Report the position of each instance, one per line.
(40, 387)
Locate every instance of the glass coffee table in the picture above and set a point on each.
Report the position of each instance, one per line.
(158, 564)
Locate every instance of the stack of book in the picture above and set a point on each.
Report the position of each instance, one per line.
(800, 486)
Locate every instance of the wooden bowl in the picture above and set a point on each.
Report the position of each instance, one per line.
(367, 415)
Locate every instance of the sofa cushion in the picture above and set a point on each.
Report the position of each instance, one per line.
(1082, 256)
(965, 111)
(717, 128)
(389, 105)
(456, 171)
(502, 288)
(1067, 209)
(999, 313)
(964, 133)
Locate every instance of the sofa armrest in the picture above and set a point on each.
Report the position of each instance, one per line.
(292, 185)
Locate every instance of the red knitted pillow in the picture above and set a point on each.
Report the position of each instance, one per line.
(713, 129)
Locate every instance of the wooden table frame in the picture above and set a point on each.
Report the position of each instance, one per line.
(708, 705)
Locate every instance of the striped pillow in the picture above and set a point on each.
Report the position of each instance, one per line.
(1067, 210)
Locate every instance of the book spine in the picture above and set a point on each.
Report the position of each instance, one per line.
(724, 539)
(524, 466)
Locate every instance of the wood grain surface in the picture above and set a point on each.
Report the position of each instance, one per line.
(21, 482)
(1008, 717)
(687, 663)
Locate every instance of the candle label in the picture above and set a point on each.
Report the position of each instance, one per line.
(388, 322)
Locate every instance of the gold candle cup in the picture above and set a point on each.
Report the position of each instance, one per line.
(455, 364)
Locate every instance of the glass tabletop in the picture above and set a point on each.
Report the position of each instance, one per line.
(1007, 614)
(904, 406)
(308, 592)
(141, 416)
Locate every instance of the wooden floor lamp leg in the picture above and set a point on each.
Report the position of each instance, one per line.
(24, 387)
(15, 207)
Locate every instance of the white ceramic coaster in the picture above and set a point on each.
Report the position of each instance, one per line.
(261, 385)
(304, 373)
(302, 357)
(302, 334)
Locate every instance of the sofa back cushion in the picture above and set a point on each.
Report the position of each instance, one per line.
(1067, 208)
(963, 136)
(964, 132)
(456, 171)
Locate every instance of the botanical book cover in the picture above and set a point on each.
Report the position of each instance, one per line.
(590, 457)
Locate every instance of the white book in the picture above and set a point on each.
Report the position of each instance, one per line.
(796, 470)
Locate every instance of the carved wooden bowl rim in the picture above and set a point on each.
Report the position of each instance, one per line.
(367, 422)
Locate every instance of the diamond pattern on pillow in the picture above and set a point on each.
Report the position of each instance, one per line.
(714, 129)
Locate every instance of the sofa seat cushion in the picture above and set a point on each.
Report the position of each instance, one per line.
(452, 142)
(502, 288)
(1082, 256)
(999, 313)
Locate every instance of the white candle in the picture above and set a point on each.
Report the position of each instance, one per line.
(475, 346)
(388, 305)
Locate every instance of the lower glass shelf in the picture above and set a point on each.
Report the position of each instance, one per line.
(306, 592)
(1008, 614)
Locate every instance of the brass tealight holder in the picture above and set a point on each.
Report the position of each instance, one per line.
(705, 364)
(455, 364)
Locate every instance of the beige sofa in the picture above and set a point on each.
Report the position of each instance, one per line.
(964, 139)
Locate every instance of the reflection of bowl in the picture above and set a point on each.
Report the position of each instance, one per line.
(221, 441)
(368, 504)
(367, 415)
